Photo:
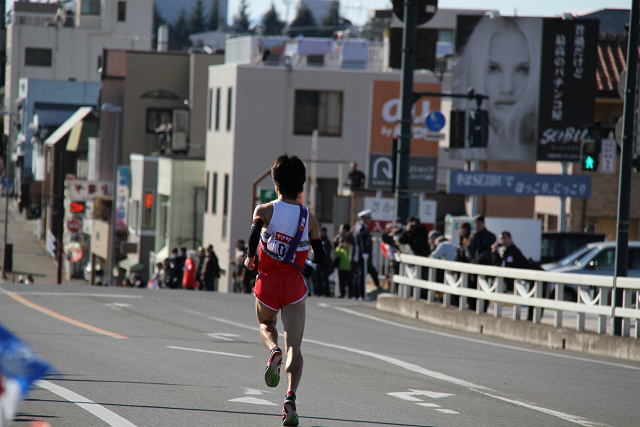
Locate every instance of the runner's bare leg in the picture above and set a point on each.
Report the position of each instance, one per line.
(293, 318)
(268, 319)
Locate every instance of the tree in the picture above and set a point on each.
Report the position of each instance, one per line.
(271, 24)
(179, 33)
(241, 21)
(304, 23)
(332, 22)
(197, 20)
(214, 16)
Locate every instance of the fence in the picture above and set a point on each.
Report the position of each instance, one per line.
(594, 292)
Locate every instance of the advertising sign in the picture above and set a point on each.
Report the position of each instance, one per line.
(382, 213)
(422, 173)
(519, 184)
(539, 76)
(81, 190)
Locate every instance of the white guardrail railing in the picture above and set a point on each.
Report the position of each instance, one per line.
(594, 292)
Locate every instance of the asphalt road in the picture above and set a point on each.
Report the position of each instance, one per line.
(178, 358)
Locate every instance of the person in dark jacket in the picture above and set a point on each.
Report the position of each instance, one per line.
(361, 253)
(478, 251)
(416, 236)
(202, 257)
(211, 270)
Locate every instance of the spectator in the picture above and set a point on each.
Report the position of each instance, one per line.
(464, 231)
(167, 277)
(416, 236)
(156, 278)
(239, 270)
(177, 264)
(343, 243)
(211, 270)
(189, 278)
(478, 251)
(202, 256)
(442, 248)
(355, 179)
(324, 270)
(361, 253)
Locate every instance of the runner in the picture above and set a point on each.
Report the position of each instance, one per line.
(284, 229)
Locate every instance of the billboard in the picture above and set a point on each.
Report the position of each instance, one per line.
(385, 127)
(539, 75)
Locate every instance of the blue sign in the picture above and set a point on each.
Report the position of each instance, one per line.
(519, 184)
(435, 121)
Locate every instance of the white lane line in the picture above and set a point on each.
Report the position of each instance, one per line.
(253, 401)
(197, 350)
(423, 371)
(477, 341)
(90, 406)
(573, 418)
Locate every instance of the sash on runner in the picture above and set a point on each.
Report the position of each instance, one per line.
(293, 246)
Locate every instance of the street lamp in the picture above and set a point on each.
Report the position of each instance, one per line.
(117, 110)
(6, 255)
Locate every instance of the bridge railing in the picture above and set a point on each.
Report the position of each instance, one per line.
(531, 288)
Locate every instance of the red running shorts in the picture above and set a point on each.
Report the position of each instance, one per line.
(275, 289)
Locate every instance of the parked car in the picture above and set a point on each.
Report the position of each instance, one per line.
(593, 258)
(557, 245)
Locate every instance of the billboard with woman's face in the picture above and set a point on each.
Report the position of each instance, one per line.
(509, 60)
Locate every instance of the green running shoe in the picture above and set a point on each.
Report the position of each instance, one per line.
(289, 413)
(272, 371)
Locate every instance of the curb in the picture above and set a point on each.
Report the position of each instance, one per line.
(625, 348)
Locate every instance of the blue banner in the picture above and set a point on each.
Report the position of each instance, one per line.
(20, 367)
(519, 184)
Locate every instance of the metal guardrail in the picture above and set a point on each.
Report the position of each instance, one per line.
(594, 294)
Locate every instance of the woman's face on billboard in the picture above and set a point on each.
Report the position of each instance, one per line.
(507, 74)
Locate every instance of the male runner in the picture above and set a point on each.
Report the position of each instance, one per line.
(284, 229)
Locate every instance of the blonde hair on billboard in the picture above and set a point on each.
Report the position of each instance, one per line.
(471, 69)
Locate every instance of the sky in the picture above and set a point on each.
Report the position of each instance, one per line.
(357, 10)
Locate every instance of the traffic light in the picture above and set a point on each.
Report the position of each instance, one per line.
(589, 154)
(478, 128)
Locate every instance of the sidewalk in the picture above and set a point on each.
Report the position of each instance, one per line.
(29, 254)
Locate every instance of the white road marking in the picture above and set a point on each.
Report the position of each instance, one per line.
(253, 401)
(254, 391)
(428, 405)
(197, 350)
(448, 411)
(90, 406)
(477, 341)
(222, 336)
(410, 395)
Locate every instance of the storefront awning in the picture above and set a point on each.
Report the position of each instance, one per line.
(66, 127)
(79, 133)
(128, 264)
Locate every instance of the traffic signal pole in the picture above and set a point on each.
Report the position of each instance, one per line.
(406, 105)
(624, 192)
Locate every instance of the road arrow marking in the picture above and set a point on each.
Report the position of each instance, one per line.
(253, 401)
(409, 395)
(448, 411)
(254, 391)
(222, 336)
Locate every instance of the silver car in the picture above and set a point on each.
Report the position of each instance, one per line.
(593, 258)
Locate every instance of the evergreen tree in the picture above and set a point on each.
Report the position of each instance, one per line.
(304, 23)
(214, 16)
(179, 31)
(197, 20)
(241, 19)
(332, 22)
(271, 24)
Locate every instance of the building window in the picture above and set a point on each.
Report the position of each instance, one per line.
(122, 11)
(225, 206)
(318, 110)
(36, 57)
(218, 109)
(206, 194)
(229, 105)
(155, 116)
(325, 192)
(164, 220)
(90, 7)
(210, 115)
(214, 193)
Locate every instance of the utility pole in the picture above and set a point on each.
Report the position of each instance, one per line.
(624, 192)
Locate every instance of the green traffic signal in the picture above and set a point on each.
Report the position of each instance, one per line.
(589, 163)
